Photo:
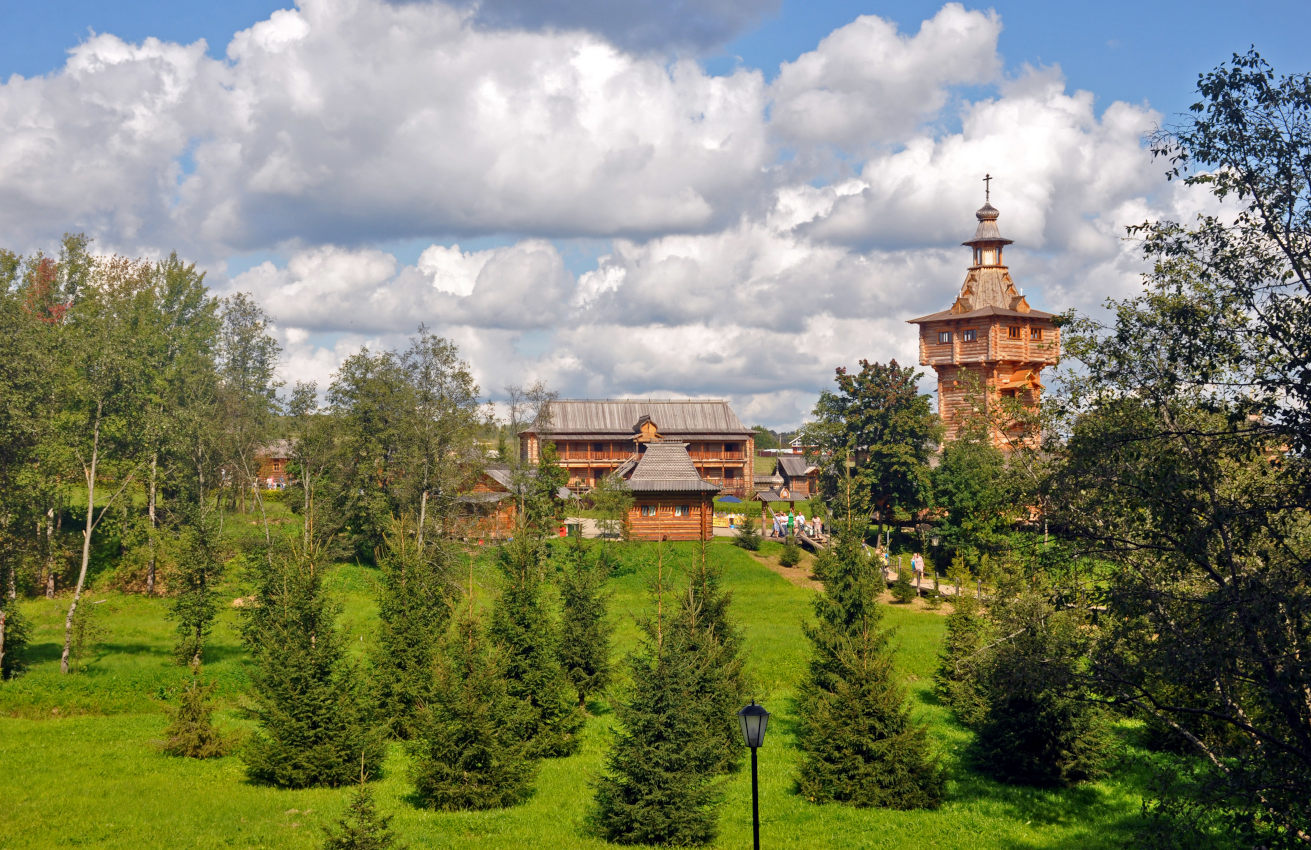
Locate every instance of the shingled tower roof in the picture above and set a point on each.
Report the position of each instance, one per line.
(988, 289)
(666, 467)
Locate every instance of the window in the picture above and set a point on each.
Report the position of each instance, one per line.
(969, 335)
(682, 510)
(648, 510)
(944, 336)
(1013, 332)
(1035, 334)
(598, 447)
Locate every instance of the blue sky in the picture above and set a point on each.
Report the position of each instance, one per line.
(1120, 50)
(723, 198)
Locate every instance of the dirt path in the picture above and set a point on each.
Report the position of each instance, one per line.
(801, 577)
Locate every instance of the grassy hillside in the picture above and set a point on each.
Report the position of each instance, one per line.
(81, 766)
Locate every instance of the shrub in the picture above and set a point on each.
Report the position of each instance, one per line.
(747, 535)
(791, 554)
(191, 733)
(902, 590)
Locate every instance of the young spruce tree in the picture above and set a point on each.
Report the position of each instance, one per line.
(413, 612)
(656, 787)
(190, 731)
(717, 684)
(363, 827)
(1039, 725)
(199, 571)
(857, 741)
(584, 632)
(522, 629)
(315, 722)
(957, 681)
(467, 749)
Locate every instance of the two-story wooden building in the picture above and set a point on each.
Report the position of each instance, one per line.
(595, 438)
(990, 341)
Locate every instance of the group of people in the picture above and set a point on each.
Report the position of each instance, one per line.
(916, 562)
(794, 523)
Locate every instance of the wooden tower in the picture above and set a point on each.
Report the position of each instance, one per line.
(989, 339)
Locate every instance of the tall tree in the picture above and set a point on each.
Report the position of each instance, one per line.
(200, 568)
(656, 788)
(248, 360)
(1186, 468)
(439, 426)
(978, 497)
(717, 683)
(468, 752)
(878, 419)
(101, 388)
(522, 629)
(414, 603)
(315, 721)
(857, 740)
(1039, 724)
(180, 409)
(584, 643)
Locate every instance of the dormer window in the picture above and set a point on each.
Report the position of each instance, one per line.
(944, 337)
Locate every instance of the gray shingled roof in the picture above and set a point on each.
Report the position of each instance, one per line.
(979, 313)
(620, 417)
(794, 466)
(666, 467)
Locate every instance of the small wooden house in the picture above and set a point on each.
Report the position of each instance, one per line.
(273, 460)
(490, 509)
(671, 501)
(797, 476)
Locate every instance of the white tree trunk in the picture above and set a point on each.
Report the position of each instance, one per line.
(90, 472)
(150, 570)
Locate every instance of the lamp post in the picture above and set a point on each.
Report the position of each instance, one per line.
(753, 719)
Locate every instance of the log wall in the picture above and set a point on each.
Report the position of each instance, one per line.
(665, 524)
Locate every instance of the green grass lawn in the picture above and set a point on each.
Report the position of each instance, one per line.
(81, 768)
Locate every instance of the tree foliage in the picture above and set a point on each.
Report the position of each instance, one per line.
(857, 740)
(585, 633)
(523, 631)
(414, 606)
(468, 751)
(878, 418)
(191, 731)
(656, 786)
(1186, 464)
(1039, 724)
(363, 827)
(315, 723)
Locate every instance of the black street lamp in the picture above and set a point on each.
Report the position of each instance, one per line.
(753, 719)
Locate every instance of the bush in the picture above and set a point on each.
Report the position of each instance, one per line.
(191, 734)
(791, 554)
(747, 535)
(902, 590)
(363, 828)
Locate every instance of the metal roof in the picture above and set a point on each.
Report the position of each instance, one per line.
(667, 467)
(619, 417)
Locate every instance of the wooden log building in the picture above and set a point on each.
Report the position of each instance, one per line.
(488, 510)
(990, 338)
(596, 438)
(671, 501)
